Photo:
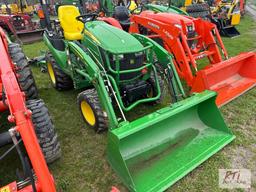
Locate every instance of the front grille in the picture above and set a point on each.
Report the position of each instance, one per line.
(129, 61)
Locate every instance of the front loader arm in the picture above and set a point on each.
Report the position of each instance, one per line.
(21, 116)
(94, 74)
(170, 36)
(165, 61)
(175, 39)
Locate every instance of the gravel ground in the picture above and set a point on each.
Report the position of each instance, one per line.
(251, 9)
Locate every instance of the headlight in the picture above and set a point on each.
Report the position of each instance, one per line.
(118, 57)
(138, 54)
(190, 28)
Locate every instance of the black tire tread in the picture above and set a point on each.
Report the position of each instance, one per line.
(44, 128)
(23, 71)
(197, 8)
(91, 97)
(63, 81)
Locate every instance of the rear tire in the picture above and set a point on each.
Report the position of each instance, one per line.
(44, 128)
(23, 71)
(193, 8)
(91, 110)
(59, 79)
(199, 10)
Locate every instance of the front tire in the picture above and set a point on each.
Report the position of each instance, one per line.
(91, 110)
(44, 128)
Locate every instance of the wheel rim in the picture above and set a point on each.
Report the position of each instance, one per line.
(51, 73)
(88, 113)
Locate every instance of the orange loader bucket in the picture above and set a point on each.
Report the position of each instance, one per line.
(229, 78)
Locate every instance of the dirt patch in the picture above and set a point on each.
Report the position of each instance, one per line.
(244, 158)
(241, 157)
(247, 128)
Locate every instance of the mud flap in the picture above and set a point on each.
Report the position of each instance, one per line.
(152, 153)
(31, 36)
(230, 78)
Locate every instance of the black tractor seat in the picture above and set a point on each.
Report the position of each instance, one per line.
(122, 14)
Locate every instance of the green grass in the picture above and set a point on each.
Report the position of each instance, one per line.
(35, 49)
(83, 166)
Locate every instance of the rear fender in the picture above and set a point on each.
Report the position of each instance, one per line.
(59, 55)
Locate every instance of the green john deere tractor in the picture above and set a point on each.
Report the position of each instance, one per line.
(118, 72)
(168, 8)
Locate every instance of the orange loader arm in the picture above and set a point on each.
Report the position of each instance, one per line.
(21, 116)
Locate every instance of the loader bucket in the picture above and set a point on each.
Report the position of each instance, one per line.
(230, 31)
(27, 37)
(153, 152)
(229, 79)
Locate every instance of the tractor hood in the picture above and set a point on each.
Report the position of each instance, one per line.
(168, 18)
(111, 38)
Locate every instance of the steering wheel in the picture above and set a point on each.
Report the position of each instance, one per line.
(87, 17)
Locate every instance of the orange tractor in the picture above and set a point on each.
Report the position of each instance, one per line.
(190, 40)
(30, 122)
